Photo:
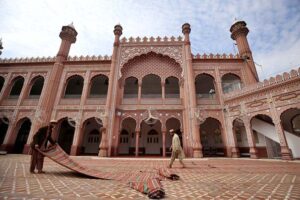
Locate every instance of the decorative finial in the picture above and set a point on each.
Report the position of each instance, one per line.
(71, 25)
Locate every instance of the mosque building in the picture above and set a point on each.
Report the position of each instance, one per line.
(125, 104)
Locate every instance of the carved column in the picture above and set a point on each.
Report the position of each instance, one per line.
(24, 89)
(249, 132)
(103, 144)
(75, 149)
(163, 92)
(235, 152)
(285, 151)
(139, 92)
(85, 90)
(231, 135)
(137, 138)
(164, 132)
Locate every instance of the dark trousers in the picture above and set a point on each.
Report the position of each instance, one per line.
(37, 160)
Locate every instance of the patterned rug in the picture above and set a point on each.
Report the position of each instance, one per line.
(147, 182)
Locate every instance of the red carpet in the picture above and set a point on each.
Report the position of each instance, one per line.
(145, 182)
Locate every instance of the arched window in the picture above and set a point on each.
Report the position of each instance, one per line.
(151, 86)
(74, 87)
(131, 87)
(37, 87)
(99, 86)
(17, 86)
(231, 82)
(172, 87)
(205, 87)
(2, 80)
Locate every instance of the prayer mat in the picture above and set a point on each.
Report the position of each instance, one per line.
(147, 182)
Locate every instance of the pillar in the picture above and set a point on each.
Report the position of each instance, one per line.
(76, 147)
(285, 151)
(164, 132)
(163, 90)
(103, 144)
(137, 138)
(139, 92)
(249, 132)
(235, 152)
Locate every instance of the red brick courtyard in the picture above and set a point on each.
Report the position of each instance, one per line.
(211, 178)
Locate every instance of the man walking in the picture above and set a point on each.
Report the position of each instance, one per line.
(40, 139)
(176, 148)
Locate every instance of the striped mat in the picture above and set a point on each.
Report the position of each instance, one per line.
(145, 182)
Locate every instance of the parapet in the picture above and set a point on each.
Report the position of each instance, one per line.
(52, 59)
(216, 56)
(165, 39)
(272, 81)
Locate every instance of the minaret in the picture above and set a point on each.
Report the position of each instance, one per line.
(109, 122)
(190, 104)
(239, 32)
(68, 36)
(46, 103)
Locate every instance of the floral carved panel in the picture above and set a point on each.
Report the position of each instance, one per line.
(127, 53)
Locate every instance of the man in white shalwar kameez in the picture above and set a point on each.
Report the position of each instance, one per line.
(176, 148)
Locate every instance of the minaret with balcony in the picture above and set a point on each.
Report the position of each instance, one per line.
(239, 32)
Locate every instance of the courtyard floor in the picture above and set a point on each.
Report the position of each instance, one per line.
(211, 178)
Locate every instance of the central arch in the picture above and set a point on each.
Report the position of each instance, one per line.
(151, 138)
(151, 63)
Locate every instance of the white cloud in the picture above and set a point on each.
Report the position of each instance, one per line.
(31, 27)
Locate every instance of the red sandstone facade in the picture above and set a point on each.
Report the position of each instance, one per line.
(215, 102)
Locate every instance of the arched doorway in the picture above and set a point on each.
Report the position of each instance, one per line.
(151, 138)
(4, 122)
(211, 138)
(127, 137)
(91, 136)
(22, 136)
(66, 134)
(172, 123)
(265, 136)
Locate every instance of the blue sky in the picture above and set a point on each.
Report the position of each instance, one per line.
(30, 28)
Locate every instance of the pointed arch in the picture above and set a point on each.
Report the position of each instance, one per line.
(74, 86)
(16, 87)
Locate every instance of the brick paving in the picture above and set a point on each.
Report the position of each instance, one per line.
(213, 178)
